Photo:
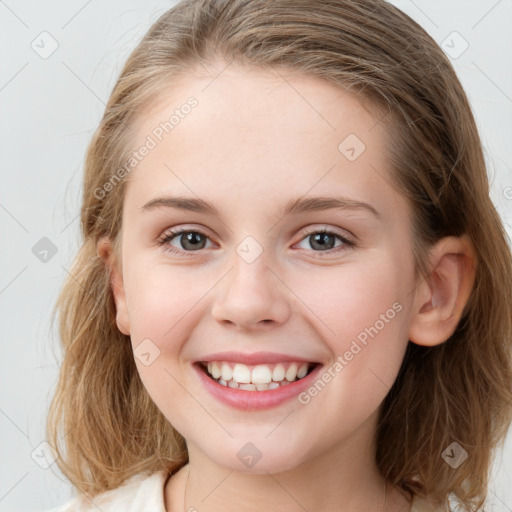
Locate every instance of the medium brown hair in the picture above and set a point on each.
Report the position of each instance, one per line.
(102, 421)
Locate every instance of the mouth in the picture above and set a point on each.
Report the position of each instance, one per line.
(260, 377)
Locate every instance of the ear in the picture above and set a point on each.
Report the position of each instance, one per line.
(104, 249)
(439, 300)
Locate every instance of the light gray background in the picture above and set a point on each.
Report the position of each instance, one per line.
(50, 108)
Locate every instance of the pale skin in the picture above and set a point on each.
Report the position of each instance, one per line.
(252, 144)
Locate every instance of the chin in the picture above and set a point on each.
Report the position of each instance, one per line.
(253, 458)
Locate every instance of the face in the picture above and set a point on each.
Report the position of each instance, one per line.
(328, 285)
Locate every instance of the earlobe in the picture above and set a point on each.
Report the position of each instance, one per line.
(439, 300)
(104, 249)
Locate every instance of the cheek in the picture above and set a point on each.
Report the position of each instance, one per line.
(363, 314)
(161, 302)
(376, 340)
(160, 299)
(351, 298)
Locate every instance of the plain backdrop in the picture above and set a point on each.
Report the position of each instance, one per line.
(59, 62)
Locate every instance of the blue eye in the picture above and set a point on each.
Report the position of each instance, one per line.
(192, 240)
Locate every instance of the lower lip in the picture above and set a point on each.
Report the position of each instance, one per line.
(255, 400)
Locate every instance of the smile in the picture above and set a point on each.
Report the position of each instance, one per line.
(260, 377)
(252, 394)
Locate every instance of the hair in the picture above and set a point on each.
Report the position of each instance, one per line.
(102, 422)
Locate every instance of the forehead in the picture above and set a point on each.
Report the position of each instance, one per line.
(264, 134)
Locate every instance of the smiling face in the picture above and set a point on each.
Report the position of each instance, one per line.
(254, 277)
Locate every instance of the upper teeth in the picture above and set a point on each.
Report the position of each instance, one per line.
(259, 374)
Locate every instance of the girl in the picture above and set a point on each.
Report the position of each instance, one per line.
(294, 292)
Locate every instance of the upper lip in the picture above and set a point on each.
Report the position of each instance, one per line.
(253, 358)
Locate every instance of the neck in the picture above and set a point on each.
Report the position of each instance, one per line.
(343, 477)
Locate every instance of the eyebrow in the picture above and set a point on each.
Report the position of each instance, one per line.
(295, 206)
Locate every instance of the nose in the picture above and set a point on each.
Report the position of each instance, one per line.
(251, 297)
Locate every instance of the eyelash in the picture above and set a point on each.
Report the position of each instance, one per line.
(169, 235)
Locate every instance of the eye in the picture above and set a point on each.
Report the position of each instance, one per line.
(324, 240)
(192, 240)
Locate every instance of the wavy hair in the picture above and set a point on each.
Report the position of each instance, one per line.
(102, 422)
